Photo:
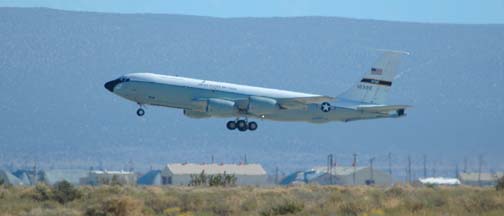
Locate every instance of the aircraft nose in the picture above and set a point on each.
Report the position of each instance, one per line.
(111, 84)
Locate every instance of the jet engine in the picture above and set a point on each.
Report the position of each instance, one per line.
(261, 105)
(213, 107)
(221, 108)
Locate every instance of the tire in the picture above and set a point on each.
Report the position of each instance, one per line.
(241, 125)
(140, 112)
(252, 126)
(231, 125)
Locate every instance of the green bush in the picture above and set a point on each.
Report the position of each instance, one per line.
(213, 180)
(288, 207)
(41, 192)
(64, 192)
(500, 184)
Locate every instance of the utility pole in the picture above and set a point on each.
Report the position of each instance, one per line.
(276, 175)
(245, 159)
(480, 165)
(409, 169)
(35, 176)
(213, 159)
(354, 164)
(434, 164)
(465, 165)
(330, 167)
(390, 163)
(425, 166)
(131, 166)
(371, 160)
(456, 170)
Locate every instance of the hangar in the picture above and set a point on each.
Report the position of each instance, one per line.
(339, 176)
(246, 174)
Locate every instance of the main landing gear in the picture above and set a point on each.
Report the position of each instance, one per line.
(241, 125)
(140, 111)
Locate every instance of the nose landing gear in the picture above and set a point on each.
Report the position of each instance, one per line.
(241, 125)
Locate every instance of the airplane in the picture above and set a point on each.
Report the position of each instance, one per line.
(204, 99)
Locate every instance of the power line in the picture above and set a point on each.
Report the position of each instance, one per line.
(409, 169)
(425, 166)
(390, 163)
(354, 164)
(371, 160)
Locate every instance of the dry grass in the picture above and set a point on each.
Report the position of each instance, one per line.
(296, 200)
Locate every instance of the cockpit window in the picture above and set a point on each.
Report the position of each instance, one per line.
(124, 79)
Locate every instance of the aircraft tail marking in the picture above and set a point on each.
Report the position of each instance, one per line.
(374, 87)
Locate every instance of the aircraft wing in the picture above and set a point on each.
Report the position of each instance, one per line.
(301, 102)
(382, 108)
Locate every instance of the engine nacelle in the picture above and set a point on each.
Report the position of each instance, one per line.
(221, 108)
(196, 114)
(261, 105)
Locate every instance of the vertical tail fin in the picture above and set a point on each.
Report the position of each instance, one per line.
(374, 87)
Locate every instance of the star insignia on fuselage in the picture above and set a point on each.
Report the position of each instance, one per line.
(325, 107)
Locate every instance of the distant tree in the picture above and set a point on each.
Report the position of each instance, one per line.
(500, 184)
(116, 180)
(2, 181)
(198, 180)
(218, 180)
(64, 192)
(230, 180)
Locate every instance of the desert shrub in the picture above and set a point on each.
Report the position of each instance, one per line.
(53, 211)
(351, 208)
(395, 191)
(500, 184)
(175, 211)
(64, 192)
(414, 204)
(191, 201)
(41, 192)
(287, 207)
(160, 203)
(117, 206)
(249, 204)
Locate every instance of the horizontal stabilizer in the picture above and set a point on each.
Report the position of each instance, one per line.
(382, 108)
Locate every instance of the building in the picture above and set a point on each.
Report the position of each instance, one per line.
(339, 176)
(98, 177)
(54, 176)
(8, 178)
(152, 177)
(439, 181)
(483, 179)
(246, 174)
(28, 176)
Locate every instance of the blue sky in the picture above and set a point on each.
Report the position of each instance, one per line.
(438, 11)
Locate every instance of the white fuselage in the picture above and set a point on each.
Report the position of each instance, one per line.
(187, 94)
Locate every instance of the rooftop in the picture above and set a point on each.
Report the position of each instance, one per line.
(484, 176)
(237, 169)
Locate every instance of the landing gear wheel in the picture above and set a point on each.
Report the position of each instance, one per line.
(252, 126)
(241, 125)
(231, 125)
(140, 112)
